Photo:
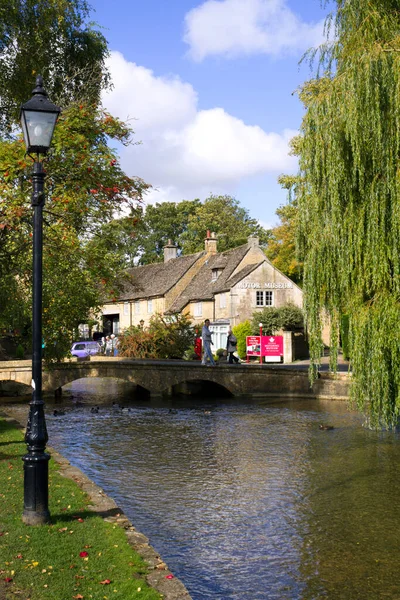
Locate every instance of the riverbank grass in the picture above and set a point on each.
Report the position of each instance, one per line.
(77, 556)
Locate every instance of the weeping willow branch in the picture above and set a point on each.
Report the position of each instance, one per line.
(349, 202)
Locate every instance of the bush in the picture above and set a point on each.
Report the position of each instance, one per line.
(241, 331)
(220, 352)
(270, 319)
(19, 353)
(166, 337)
(287, 317)
(291, 317)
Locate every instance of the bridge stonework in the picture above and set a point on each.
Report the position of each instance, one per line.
(161, 377)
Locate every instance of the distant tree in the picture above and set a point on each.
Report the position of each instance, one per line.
(52, 39)
(162, 222)
(281, 249)
(141, 237)
(85, 187)
(224, 216)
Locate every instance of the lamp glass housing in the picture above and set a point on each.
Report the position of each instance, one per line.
(38, 128)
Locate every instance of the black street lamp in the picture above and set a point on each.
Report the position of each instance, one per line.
(38, 119)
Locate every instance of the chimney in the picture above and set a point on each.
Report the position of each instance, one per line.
(210, 243)
(253, 241)
(170, 251)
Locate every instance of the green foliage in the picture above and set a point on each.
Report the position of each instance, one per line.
(281, 249)
(85, 187)
(241, 331)
(291, 317)
(349, 200)
(287, 317)
(55, 40)
(135, 342)
(270, 319)
(224, 216)
(19, 353)
(344, 336)
(220, 352)
(170, 336)
(174, 334)
(141, 237)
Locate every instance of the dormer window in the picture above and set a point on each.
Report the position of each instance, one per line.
(215, 273)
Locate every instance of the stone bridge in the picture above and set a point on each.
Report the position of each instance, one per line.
(164, 378)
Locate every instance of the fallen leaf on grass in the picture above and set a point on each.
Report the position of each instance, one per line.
(8, 579)
(83, 554)
(169, 576)
(105, 582)
(78, 597)
(63, 529)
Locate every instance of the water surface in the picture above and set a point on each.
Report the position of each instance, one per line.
(246, 500)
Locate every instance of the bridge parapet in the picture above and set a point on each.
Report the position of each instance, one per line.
(159, 377)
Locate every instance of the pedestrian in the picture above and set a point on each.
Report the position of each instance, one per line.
(103, 345)
(108, 346)
(207, 342)
(231, 347)
(114, 341)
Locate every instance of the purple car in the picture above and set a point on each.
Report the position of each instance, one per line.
(85, 349)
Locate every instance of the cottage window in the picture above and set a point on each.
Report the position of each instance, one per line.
(269, 298)
(198, 309)
(126, 308)
(264, 298)
(137, 307)
(149, 306)
(260, 298)
(222, 301)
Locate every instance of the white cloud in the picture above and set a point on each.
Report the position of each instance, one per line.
(187, 152)
(233, 28)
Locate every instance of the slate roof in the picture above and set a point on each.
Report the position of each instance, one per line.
(203, 288)
(150, 281)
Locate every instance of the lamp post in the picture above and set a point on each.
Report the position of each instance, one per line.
(261, 332)
(38, 119)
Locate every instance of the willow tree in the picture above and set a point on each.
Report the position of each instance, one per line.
(349, 203)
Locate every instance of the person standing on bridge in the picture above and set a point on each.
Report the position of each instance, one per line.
(231, 347)
(207, 341)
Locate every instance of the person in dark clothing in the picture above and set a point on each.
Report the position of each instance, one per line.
(231, 347)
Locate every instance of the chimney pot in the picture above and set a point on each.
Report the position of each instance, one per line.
(170, 251)
(210, 243)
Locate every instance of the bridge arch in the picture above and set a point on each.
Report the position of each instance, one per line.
(199, 386)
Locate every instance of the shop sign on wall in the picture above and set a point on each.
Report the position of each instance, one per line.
(255, 285)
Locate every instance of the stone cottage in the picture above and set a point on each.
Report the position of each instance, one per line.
(225, 287)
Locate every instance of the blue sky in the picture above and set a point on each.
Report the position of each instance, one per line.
(209, 88)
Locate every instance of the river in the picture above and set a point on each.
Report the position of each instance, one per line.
(245, 500)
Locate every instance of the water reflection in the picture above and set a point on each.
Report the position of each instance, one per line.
(246, 501)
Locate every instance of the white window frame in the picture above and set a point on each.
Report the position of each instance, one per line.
(264, 298)
(198, 309)
(149, 306)
(137, 307)
(269, 298)
(222, 300)
(126, 309)
(260, 298)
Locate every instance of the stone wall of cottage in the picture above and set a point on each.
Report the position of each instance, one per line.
(243, 296)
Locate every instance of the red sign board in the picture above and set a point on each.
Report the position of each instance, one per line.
(253, 345)
(271, 346)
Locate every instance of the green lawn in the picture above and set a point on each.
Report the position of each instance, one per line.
(46, 562)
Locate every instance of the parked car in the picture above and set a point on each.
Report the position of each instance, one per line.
(85, 349)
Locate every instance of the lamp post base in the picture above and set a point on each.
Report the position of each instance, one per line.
(36, 486)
